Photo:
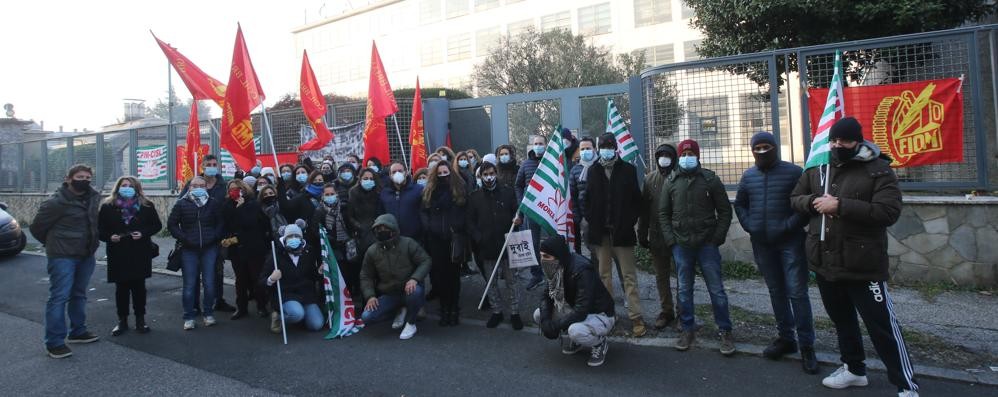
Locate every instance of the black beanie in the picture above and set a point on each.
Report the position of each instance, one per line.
(555, 246)
(607, 139)
(762, 137)
(848, 129)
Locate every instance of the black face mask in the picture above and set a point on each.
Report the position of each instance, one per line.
(80, 186)
(383, 235)
(765, 160)
(843, 155)
(269, 200)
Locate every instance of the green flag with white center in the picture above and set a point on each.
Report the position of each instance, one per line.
(626, 147)
(834, 111)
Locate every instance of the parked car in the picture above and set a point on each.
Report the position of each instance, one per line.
(12, 238)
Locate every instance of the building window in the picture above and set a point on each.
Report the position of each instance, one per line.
(482, 5)
(459, 47)
(431, 52)
(429, 11)
(561, 20)
(486, 40)
(690, 50)
(594, 19)
(687, 11)
(516, 28)
(651, 12)
(658, 55)
(457, 8)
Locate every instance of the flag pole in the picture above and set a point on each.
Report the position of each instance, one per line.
(828, 172)
(270, 135)
(398, 133)
(280, 299)
(498, 263)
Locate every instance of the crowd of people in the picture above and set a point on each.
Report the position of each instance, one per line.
(391, 228)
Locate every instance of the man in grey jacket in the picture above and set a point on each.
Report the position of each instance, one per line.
(66, 223)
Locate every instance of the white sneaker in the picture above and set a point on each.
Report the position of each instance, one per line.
(842, 378)
(209, 321)
(408, 331)
(399, 319)
(908, 393)
(188, 325)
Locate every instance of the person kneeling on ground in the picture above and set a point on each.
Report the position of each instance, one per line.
(575, 302)
(392, 275)
(298, 271)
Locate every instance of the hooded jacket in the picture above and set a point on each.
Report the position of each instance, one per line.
(855, 246)
(67, 223)
(694, 209)
(649, 224)
(363, 209)
(762, 203)
(507, 172)
(389, 265)
(584, 291)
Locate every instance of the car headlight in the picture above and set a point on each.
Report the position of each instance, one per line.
(10, 226)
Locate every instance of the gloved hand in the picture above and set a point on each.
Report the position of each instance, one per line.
(550, 329)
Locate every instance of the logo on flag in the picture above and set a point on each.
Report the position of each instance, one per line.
(343, 321)
(615, 124)
(833, 111)
(546, 200)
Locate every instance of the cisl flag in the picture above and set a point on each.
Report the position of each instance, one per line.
(916, 123)
(340, 312)
(546, 200)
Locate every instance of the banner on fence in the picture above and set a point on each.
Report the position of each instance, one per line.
(228, 164)
(347, 139)
(916, 123)
(151, 162)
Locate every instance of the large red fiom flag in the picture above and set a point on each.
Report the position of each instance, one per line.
(380, 104)
(191, 154)
(417, 134)
(313, 104)
(242, 95)
(917, 123)
(201, 85)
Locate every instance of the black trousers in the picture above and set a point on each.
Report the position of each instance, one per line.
(842, 299)
(444, 274)
(134, 290)
(247, 270)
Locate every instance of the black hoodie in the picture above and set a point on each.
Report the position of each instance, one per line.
(507, 172)
(649, 231)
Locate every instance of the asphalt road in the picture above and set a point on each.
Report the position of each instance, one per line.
(243, 358)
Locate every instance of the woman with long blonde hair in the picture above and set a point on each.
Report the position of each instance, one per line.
(126, 222)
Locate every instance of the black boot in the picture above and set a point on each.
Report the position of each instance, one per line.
(240, 313)
(494, 320)
(516, 322)
(121, 327)
(455, 315)
(140, 324)
(779, 348)
(444, 318)
(808, 361)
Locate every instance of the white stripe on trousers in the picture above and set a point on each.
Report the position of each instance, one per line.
(906, 368)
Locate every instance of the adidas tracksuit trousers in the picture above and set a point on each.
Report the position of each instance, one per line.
(842, 299)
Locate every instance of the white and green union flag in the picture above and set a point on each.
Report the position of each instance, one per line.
(834, 111)
(343, 321)
(546, 200)
(150, 163)
(626, 146)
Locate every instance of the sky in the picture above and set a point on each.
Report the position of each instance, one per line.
(72, 63)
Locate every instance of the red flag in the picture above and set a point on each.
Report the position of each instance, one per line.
(283, 158)
(313, 104)
(191, 158)
(916, 123)
(380, 104)
(201, 85)
(417, 137)
(184, 171)
(242, 96)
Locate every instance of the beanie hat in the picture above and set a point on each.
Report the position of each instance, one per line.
(566, 133)
(267, 171)
(689, 144)
(847, 128)
(607, 139)
(293, 229)
(490, 158)
(249, 180)
(556, 247)
(763, 137)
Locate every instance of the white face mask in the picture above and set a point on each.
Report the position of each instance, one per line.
(398, 177)
(664, 162)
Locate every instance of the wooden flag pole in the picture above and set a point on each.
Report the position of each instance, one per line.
(280, 298)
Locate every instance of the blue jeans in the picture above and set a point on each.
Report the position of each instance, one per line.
(784, 267)
(389, 304)
(709, 259)
(198, 262)
(68, 279)
(295, 312)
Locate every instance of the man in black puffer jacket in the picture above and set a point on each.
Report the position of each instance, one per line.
(538, 143)
(763, 208)
(575, 302)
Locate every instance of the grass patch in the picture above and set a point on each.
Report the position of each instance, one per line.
(931, 290)
(730, 270)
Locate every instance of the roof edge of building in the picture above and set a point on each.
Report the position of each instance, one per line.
(348, 14)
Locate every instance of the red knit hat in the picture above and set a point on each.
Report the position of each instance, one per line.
(689, 144)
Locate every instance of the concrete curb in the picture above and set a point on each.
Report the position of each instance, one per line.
(984, 378)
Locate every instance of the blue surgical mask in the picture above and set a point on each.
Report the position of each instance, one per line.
(504, 158)
(286, 176)
(293, 242)
(688, 162)
(587, 155)
(330, 199)
(301, 178)
(199, 192)
(255, 171)
(462, 163)
(346, 176)
(607, 154)
(375, 168)
(210, 171)
(367, 184)
(421, 182)
(126, 192)
(538, 149)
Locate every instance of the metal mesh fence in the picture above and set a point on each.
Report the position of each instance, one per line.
(32, 165)
(531, 118)
(116, 155)
(9, 167)
(58, 161)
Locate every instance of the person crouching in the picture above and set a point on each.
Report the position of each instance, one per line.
(576, 302)
(298, 271)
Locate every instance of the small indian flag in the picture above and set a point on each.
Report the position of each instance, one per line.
(834, 111)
